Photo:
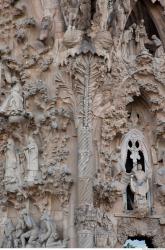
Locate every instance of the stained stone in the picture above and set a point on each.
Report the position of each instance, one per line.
(82, 123)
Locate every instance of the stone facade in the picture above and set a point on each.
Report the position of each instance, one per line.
(82, 122)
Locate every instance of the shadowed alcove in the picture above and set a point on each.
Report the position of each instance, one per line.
(139, 242)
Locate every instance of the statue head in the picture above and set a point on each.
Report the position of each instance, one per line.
(10, 143)
(134, 25)
(14, 80)
(24, 212)
(31, 139)
(17, 88)
(45, 216)
(139, 167)
(142, 22)
(154, 37)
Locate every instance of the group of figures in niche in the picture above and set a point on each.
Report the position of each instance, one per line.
(21, 161)
(23, 156)
(16, 159)
(139, 38)
(28, 233)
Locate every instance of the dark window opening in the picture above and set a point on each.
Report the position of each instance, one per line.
(130, 198)
(130, 144)
(93, 8)
(129, 115)
(141, 161)
(140, 241)
(129, 162)
(137, 144)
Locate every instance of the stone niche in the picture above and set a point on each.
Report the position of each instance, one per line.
(82, 123)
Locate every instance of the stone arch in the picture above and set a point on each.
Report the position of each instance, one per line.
(133, 227)
(135, 138)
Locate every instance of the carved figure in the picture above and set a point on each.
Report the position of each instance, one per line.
(126, 5)
(46, 25)
(19, 230)
(31, 228)
(52, 22)
(11, 162)
(121, 19)
(140, 187)
(128, 41)
(13, 105)
(141, 36)
(31, 153)
(159, 46)
(50, 237)
(105, 8)
(8, 241)
(116, 162)
(84, 17)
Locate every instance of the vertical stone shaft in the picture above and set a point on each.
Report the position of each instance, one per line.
(85, 160)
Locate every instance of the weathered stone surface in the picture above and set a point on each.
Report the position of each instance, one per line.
(82, 122)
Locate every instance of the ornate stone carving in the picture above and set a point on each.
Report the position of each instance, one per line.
(89, 219)
(28, 233)
(31, 153)
(140, 187)
(11, 165)
(50, 237)
(13, 105)
(81, 107)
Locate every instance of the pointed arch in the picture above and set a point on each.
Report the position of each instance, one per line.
(135, 138)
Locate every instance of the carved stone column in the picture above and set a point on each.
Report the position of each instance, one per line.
(85, 193)
(85, 157)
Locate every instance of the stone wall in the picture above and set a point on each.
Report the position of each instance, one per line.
(82, 121)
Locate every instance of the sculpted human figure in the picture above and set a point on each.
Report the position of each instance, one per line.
(116, 162)
(46, 24)
(8, 241)
(140, 187)
(14, 103)
(31, 229)
(20, 227)
(50, 237)
(72, 18)
(105, 11)
(11, 162)
(52, 24)
(159, 46)
(128, 42)
(121, 19)
(31, 153)
(141, 36)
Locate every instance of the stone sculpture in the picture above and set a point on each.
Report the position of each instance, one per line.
(31, 230)
(128, 42)
(8, 241)
(140, 187)
(159, 47)
(45, 28)
(141, 36)
(31, 153)
(49, 238)
(105, 9)
(82, 123)
(11, 165)
(13, 105)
